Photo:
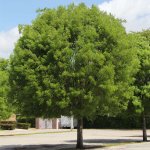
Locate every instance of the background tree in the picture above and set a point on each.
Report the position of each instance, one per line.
(72, 61)
(142, 83)
(4, 88)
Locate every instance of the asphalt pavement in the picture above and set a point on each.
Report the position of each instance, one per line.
(107, 139)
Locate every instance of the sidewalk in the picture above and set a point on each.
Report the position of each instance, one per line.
(31, 131)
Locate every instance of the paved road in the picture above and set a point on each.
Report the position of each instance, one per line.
(56, 140)
(137, 146)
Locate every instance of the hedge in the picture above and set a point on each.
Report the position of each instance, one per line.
(30, 120)
(7, 125)
(23, 125)
(105, 122)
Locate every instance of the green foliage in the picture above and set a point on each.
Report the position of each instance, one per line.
(30, 120)
(4, 88)
(7, 125)
(72, 61)
(142, 82)
(23, 125)
(117, 122)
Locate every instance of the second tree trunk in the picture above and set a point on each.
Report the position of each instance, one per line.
(80, 134)
(144, 127)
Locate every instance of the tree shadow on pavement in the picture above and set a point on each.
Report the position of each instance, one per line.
(36, 147)
(48, 147)
(88, 144)
(108, 141)
(111, 141)
(138, 136)
(102, 143)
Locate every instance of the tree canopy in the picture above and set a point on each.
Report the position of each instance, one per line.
(73, 60)
(143, 76)
(142, 82)
(4, 88)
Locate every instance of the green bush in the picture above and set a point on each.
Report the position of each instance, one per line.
(7, 125)
(118, 122)
(31, 120)
(7, 122)
(23, 125)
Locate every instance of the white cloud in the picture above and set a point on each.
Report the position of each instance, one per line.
(135, 12)
(7, 41)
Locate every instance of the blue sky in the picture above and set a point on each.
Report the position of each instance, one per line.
(15, 12)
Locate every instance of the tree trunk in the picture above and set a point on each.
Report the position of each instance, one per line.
(144, 128)
(72, 125)
(80, 134)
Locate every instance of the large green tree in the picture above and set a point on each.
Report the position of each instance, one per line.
(72, 61)
(4, 89)
(142, 82)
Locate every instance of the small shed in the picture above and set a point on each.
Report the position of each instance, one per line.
(68, 122)
(53, 123)
(56, 123)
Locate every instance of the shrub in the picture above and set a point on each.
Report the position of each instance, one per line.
(31, 120)
(23, 125)
(8, 125)
(118, 122)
